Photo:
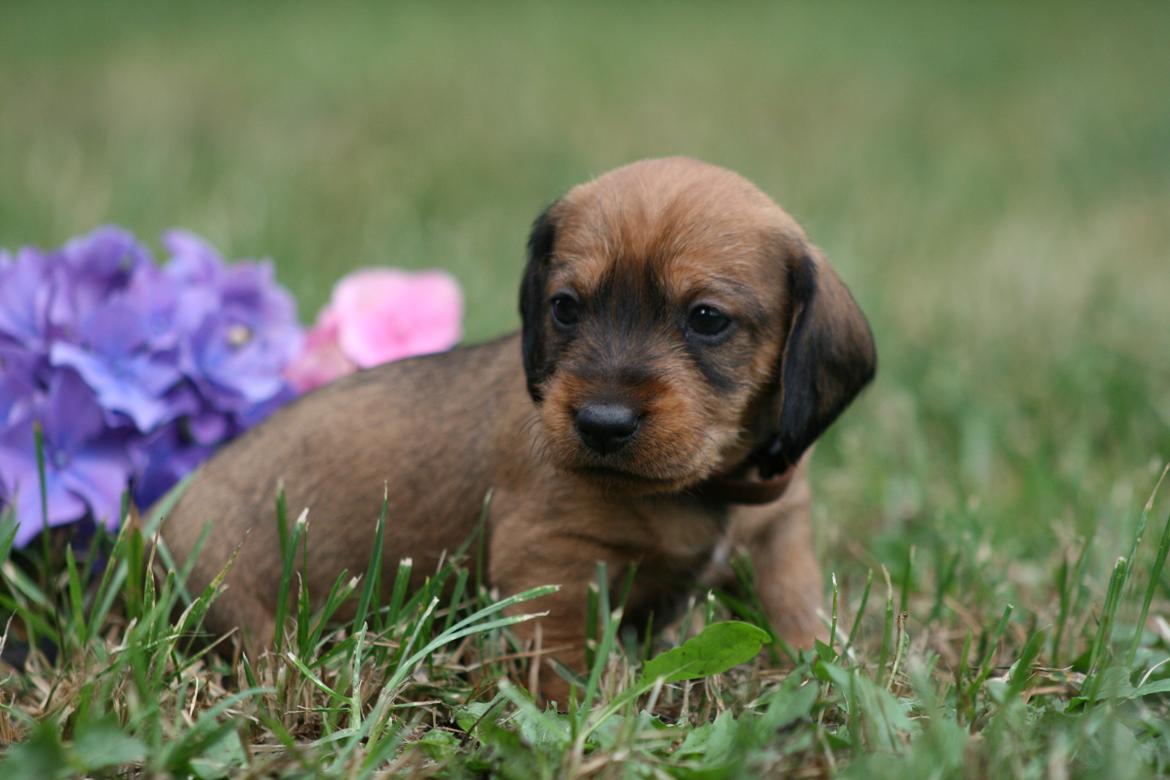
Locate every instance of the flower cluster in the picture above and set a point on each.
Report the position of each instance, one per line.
(377, 315)
(134, 371)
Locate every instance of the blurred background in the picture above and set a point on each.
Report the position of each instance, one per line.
(992, 182)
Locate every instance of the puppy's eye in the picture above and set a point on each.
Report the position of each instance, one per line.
(565, 310)
(708, 321)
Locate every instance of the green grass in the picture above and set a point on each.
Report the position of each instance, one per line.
(991, 181)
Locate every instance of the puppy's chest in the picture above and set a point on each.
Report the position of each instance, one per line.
(682, 537)
(679, 546)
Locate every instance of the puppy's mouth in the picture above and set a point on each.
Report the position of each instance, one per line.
(609, 472)
(633, 482)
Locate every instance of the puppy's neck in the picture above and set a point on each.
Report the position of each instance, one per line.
(728, 489)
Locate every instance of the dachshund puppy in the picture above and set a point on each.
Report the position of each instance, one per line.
(683, 345)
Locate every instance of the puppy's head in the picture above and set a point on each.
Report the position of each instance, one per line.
(676, 323)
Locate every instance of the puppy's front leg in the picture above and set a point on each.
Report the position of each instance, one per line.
(788, 577)
(528, 555)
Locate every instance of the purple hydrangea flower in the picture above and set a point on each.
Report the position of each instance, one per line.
(91, 269)
(26, 289)
(86, 466)
(244, 327)
(163, 458)
(17, 382)
(115, 360)
(135, 372)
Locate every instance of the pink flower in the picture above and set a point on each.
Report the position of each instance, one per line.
(321, 360)
(377, 315)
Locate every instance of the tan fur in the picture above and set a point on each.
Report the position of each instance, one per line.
(441, 431)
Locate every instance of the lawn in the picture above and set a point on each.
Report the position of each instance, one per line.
(992, 182)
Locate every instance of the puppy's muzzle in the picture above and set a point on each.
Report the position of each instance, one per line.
(606, 427)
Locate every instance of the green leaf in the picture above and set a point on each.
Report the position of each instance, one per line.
(540, 729)
(1158, 686)
(696, 742)
(41, 757)
(101, 743)
(206, 733)
(719, 647)
(439, 745)
(1113, 683)
(221, 758)
(470, 714)
(881, 716)
(788, 703)
(722, 741)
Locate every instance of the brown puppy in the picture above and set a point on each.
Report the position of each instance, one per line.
(682, 347)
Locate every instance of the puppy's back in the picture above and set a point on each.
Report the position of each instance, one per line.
(424, 428)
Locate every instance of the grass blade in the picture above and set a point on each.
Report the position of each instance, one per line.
(1155, 574)
(372, 590)
(286, 573)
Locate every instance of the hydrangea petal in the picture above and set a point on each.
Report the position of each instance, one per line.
(17, 381)
(115, 329)
(133, 386)
(24, 294)
(193, 259)
(70, 415)
(64, 507)
(100, 478)
(91, 269)
(20, 483)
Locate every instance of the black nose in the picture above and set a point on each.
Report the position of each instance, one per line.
(606, 428)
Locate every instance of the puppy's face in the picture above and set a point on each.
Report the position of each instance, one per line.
(660, 305)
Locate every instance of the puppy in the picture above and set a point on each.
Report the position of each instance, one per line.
(683, 345)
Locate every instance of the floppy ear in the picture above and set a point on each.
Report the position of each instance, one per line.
(829, 357)
(533, 306)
